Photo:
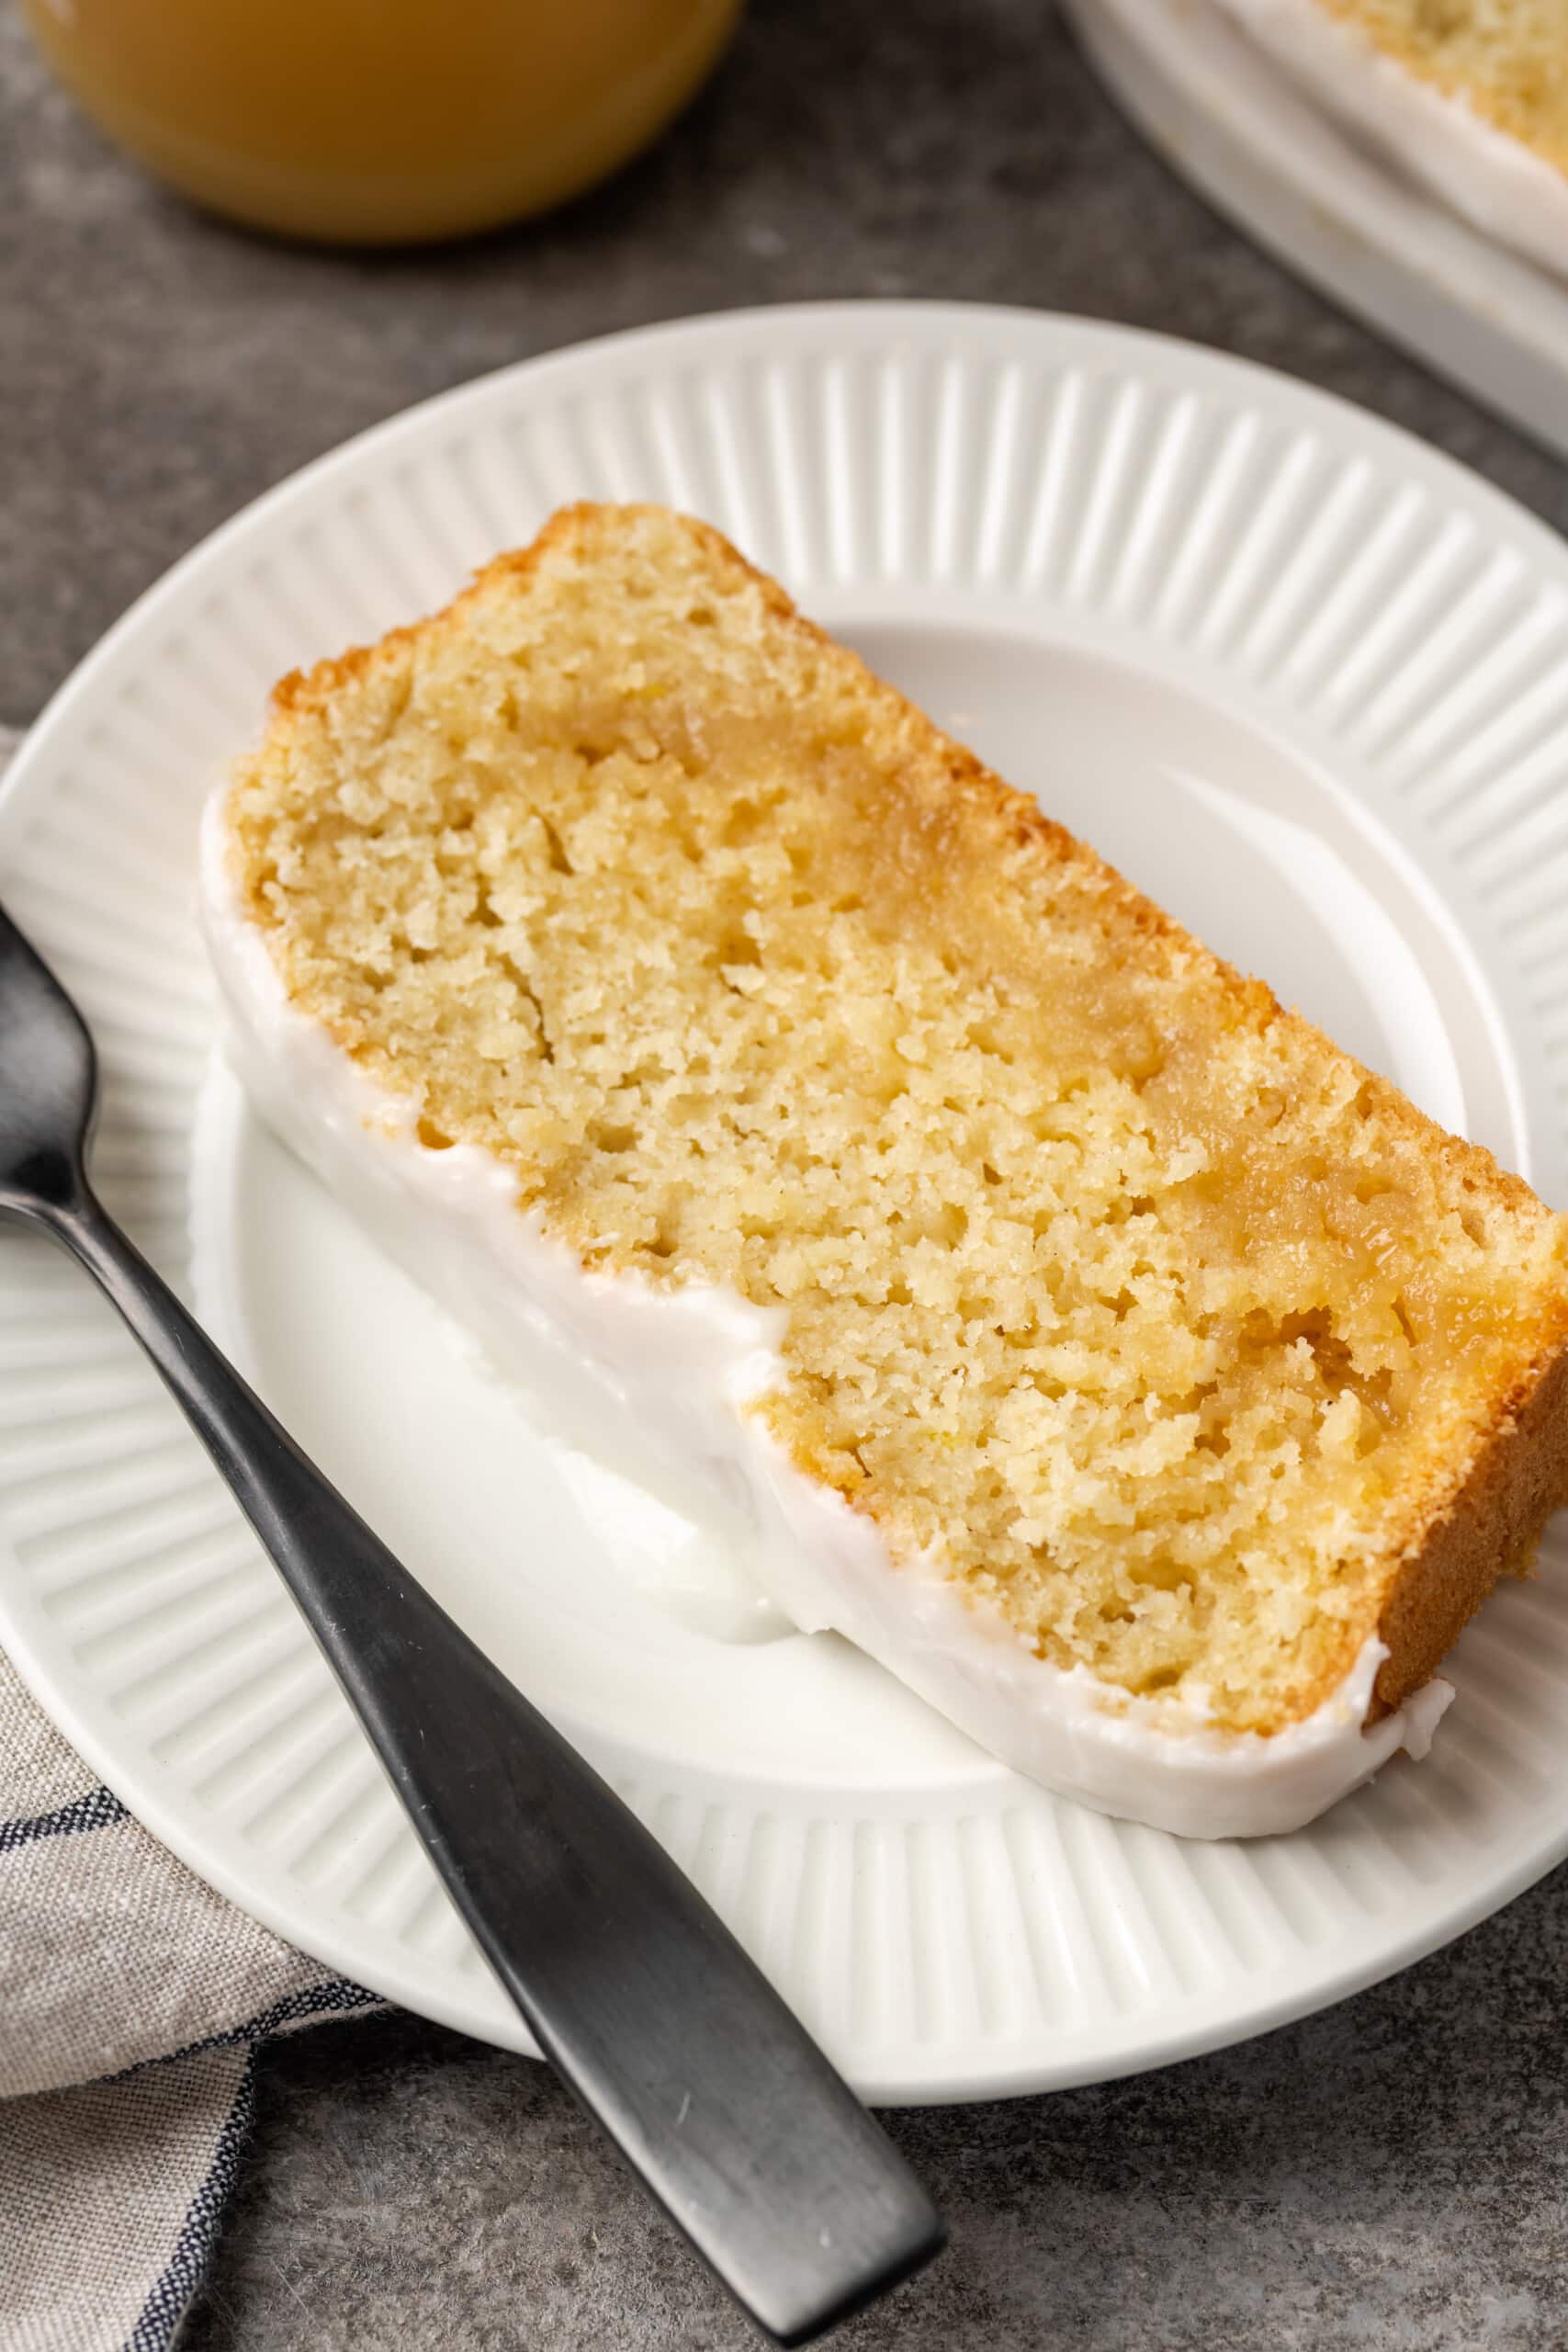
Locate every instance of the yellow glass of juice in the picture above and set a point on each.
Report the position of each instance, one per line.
(382, 121)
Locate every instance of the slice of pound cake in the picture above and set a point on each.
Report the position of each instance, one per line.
(1145, 1382)
(1468, 99)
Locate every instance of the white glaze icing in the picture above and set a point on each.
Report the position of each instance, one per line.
(1440, 143)
(673, 1369)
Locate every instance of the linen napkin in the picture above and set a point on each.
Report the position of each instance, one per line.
(132, 2002)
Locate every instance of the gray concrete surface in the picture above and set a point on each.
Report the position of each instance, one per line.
(1389, 2176)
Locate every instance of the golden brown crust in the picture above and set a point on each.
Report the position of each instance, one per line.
(1493, 1525)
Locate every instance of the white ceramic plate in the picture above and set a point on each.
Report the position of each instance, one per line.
(1301, 677)
(1229, 120)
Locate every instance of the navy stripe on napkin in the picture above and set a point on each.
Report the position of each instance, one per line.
(100, 1809)
(170, 2299)
(335, 1998)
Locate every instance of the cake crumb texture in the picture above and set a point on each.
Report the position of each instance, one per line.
(1114, 1287)
(1507, 58)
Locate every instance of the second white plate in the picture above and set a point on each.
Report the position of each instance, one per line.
(1303, 680)
(1228, 119)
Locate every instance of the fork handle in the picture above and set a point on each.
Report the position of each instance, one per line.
(641, 1998)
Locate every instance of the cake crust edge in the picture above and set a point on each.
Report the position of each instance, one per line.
(1489, 1529)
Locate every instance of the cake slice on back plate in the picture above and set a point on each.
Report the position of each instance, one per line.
(1468, 98)
(1147, 1384)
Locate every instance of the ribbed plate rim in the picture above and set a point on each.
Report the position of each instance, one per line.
(1017, 335)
